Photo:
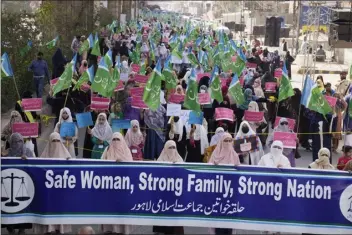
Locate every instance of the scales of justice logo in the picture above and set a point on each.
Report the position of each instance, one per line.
(346, 203)
(17, 190)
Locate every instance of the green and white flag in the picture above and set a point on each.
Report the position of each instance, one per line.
(169, 75)
(87, 44)
(96, 47)
(87, 76)
(26, 49)
(191, 99)
(102, 79)
(151, 94)
(240, 63)
(285, 89)
(65, 79)
(215, 85)
(235, 90)
(52, 43)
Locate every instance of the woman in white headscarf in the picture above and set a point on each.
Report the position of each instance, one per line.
(275, 158)
(65, 116)
(117, 151)
(54, 149)
(177, 133)
(283, 127)
(197, 142)
(323, 161)
(135, 141)
(101, 136)
(219, 132)
(125, 71)
(253, 106)
(145, 53)
(253, 157)
(163, 52)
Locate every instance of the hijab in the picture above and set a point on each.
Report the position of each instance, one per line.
(55, 149)
(144, 48)
(177, 127)
(179, 87)
(219, 132)
(241, 134)
(134, 138)
(163, 50)
(68, 111)
(15, 118)
(155, 120)
(224, 152)
(170, 155)
(281, 127)
(275, 157)
(17, 147)
(323, 161)
(117, 150)
(102, 131)
(248, 94)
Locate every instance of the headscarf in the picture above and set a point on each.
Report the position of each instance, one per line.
(124, 68)
(144, 48)
(320, 84)
(155, 120)
(17, 147)
(323, 162)
(275, 157)
(68, 111)
(163, 50)
(134, 138)
(15, 118)
(219, 132)
(282, 128)
(102, 131)
(117, 150)
(224, 153)
(203, 88)
(248, 94)
(240, 134)
(182, 91)
(178, 128)
(170, 155)
(55, 149)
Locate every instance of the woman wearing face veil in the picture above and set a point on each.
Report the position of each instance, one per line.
(177, 132)
(249, 158)
(275, 158)
(169, 154)
(323, 161)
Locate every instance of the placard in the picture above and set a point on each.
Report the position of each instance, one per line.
(173, 110)
(251, 65)
(233, 58)
(138, 103)
(204, 98)
(177, 99)
(291, 122)
(331, 100)
(100, 99)
(32, 104)
(278, 73)
(84, 119)
(252, 116)
(247, 144)
(67, 129)
(137, 91)
(120, 86)
(118, 124)
(136, 68)
(99, 106)
(140, 78)
(201, 75)
(223, 114)
(54, 81)
(26, 129)
(270, 86)
(287, 138)
(195, 118)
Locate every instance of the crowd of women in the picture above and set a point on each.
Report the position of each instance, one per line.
(154, 136)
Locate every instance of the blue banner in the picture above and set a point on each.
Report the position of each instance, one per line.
(56, 191)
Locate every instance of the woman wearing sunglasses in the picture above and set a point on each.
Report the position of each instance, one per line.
(275, 158)
(224, 152)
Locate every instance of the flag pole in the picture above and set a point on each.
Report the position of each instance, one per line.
(18, 93)
(68, 91)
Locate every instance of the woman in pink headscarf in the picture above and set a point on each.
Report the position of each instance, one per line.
(224, 152)
(135, 141)
(117, 150)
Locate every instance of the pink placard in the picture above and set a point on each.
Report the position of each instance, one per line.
(32, 104)
(278, 73)
(241, 80)
(204, 98)
(54, 81)
(223, 114)
(26, 129)
(291, 122)
(252, 116)
(100, 100)
(176, 99)
(251, 65)
(137, 91)
(99, 106)
(138, 103)
(287, 138)
(200, 75)
(119, 86)
(233, 58)
(141, 78)
(270, 86)
(135, 68)
(223, 81)
(331, 100)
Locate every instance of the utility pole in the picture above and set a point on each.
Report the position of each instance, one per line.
(298, 19)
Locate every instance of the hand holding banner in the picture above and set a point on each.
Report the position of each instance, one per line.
(67, 129)
(223, 114)
(84, 119)
(204, 98)
(252, 116)
(270, 86)
(287, 138)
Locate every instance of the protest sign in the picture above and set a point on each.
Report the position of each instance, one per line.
(195, 118)
(287, 138)
(32, 104)
(26, 129)
(54, 81)
(99, 106)
(118, 124)
(97, 99)
(270, 86)
(67, 129)
(120, 86)
(251, 65)
(278, 73)
(201, 75)
(135, 68)
(223, 114)
(252, 116)
(331, 100)
(246, 144)
(174, 98)
(291, 122)
(84, 119)
(173, 110)
(204, 98)
(138, 103)
(140, 78)
(137, 91)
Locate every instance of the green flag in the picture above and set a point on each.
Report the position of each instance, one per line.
(26, 49)
(65, 79)
(151, 94)
(192, 58)
(96, 47)
(191, 99)
(143, 68)
(87, 75)
(240, 63)
(52, 43)
(102, 79)
(169, 75)
(87, 44)
(235, 90)
(215, 85)
(285, 89)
